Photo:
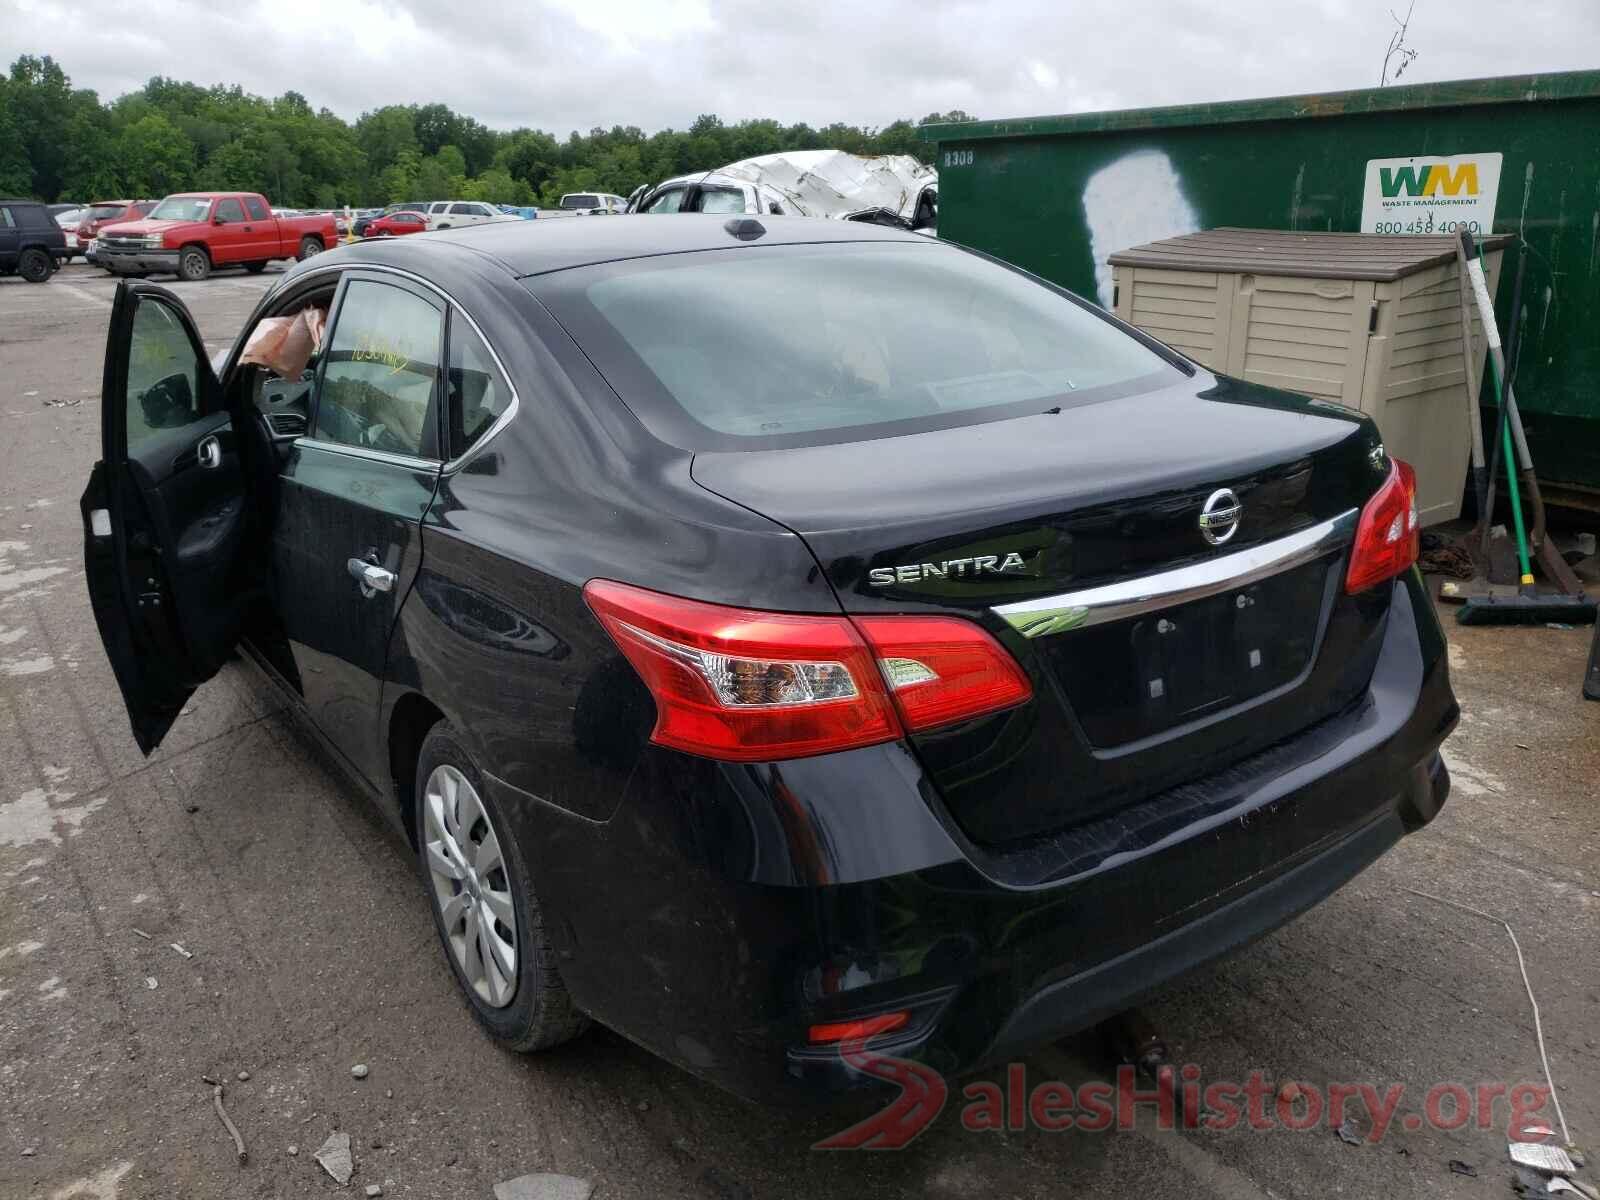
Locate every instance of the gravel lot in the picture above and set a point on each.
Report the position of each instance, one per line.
(313, 949)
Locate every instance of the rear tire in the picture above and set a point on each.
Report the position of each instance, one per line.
(255, 268)
(35, 266)
(458, 829)
(194, 264)
(309, 248)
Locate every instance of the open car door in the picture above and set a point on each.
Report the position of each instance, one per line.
(163, 514)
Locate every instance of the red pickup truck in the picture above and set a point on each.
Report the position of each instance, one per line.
(189, 233)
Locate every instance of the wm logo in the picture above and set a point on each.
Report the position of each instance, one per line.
(1428, 181)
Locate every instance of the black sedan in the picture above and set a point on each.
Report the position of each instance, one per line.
(770, 632)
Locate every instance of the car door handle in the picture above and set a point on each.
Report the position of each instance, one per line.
(372, 578)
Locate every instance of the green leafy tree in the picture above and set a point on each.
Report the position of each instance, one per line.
(154, 157)
(172, 135)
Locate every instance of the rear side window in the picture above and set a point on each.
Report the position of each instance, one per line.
(478, 392)
(795, 345)
(230, 210)
(6, 219)
(33, 216)
(380, 382)
(721, 200)
(258, 210)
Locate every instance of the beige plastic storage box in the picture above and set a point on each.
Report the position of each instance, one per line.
(1368, 321)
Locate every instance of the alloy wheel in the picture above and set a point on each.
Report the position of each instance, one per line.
(470, 885)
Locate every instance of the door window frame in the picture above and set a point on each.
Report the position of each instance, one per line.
(310, 281)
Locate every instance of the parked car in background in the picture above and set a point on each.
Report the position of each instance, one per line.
(397, 223)
(32, 245)
(101, 213)
(60, 208)
(889, 189)
(575, 204)
(68, 218)
(359, 225)
(771, 633)
(190, 233)
(452, 214)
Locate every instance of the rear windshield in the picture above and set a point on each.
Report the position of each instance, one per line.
(104, 212)
(796, 345)
(581, 200)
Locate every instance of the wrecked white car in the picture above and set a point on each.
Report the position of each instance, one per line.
(890, 189)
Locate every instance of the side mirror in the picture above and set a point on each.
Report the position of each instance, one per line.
(168, 403)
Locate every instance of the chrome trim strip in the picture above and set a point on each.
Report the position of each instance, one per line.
(430, 465)
(501, 421)
(1115, 601)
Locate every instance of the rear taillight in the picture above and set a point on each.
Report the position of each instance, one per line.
(943, 669)
(1387, 536)
(746, 686)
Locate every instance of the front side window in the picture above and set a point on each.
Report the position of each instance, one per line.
(6, 219)
(478, 393)
(466, 210)
(721, 200)
(230, 211)
(667, 202)
(846, 341)
(381, 374)
(258, 210)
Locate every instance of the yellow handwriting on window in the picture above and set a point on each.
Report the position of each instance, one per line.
(370, 347)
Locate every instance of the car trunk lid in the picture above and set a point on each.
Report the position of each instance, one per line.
(998, 520)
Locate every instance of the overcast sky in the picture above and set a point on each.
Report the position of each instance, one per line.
(571, 64)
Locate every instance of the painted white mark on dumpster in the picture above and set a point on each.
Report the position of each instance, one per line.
(1294, 200)
(37, 816)
(1137, 199)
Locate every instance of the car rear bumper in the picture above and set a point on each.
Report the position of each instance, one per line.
(125, 262)
(725, 909)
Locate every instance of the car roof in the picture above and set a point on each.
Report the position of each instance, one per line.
(19, 200)
(537, 247)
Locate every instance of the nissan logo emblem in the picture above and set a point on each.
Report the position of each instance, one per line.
(1219, 516)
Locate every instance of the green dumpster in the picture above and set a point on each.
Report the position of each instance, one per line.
(1059, 195)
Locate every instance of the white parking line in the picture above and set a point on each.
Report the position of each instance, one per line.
(81, 294)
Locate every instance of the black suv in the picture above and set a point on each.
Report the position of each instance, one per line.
(31, 243)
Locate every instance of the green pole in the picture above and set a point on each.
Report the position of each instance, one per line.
(1506, 451)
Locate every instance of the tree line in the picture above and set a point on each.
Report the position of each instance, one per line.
(58, 142)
